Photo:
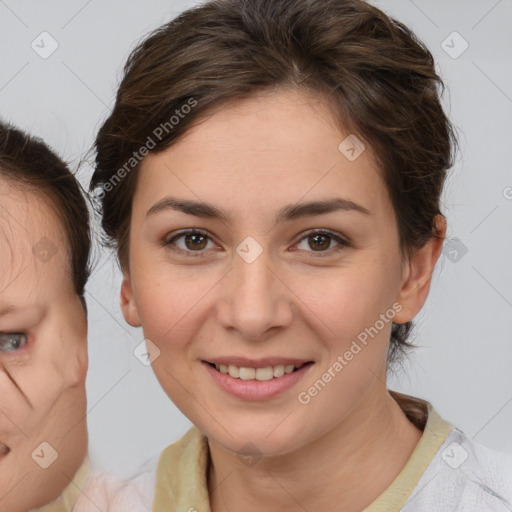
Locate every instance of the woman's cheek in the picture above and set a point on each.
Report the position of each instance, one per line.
(337, 301)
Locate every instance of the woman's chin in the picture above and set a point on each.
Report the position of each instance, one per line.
(248, 442)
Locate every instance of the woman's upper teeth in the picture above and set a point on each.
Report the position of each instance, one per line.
(264, 373)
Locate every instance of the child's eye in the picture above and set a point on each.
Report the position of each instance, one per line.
(12, 341)
(195, 241)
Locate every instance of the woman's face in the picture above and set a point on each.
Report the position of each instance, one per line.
(256, 288)
(43, 359)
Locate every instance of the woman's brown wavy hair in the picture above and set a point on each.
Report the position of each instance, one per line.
(377, 76)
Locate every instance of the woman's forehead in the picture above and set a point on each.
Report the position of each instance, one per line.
(287, 113)
(286, 138)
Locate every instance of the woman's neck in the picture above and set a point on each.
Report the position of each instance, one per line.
(345, 469)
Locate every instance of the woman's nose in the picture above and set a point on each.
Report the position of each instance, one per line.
(254, 298)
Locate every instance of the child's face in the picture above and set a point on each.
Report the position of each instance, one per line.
(43, 359)
(297, 302)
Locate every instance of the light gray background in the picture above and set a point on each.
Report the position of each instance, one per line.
(464, 364)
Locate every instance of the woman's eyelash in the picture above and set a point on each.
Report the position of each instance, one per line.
(343, 242)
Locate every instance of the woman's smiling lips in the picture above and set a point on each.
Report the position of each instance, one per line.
(256, 379)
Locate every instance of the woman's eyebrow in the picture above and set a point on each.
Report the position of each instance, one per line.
(287, 213)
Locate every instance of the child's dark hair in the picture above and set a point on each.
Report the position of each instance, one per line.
(377, 76)
(28, 160)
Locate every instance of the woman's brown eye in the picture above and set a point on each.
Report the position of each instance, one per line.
(190, 242)
(195, 241)
(320, 242)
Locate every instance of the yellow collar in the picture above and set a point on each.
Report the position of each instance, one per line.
(181, 478)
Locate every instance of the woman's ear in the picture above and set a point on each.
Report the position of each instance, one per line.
(417, 274)
(128, 305)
